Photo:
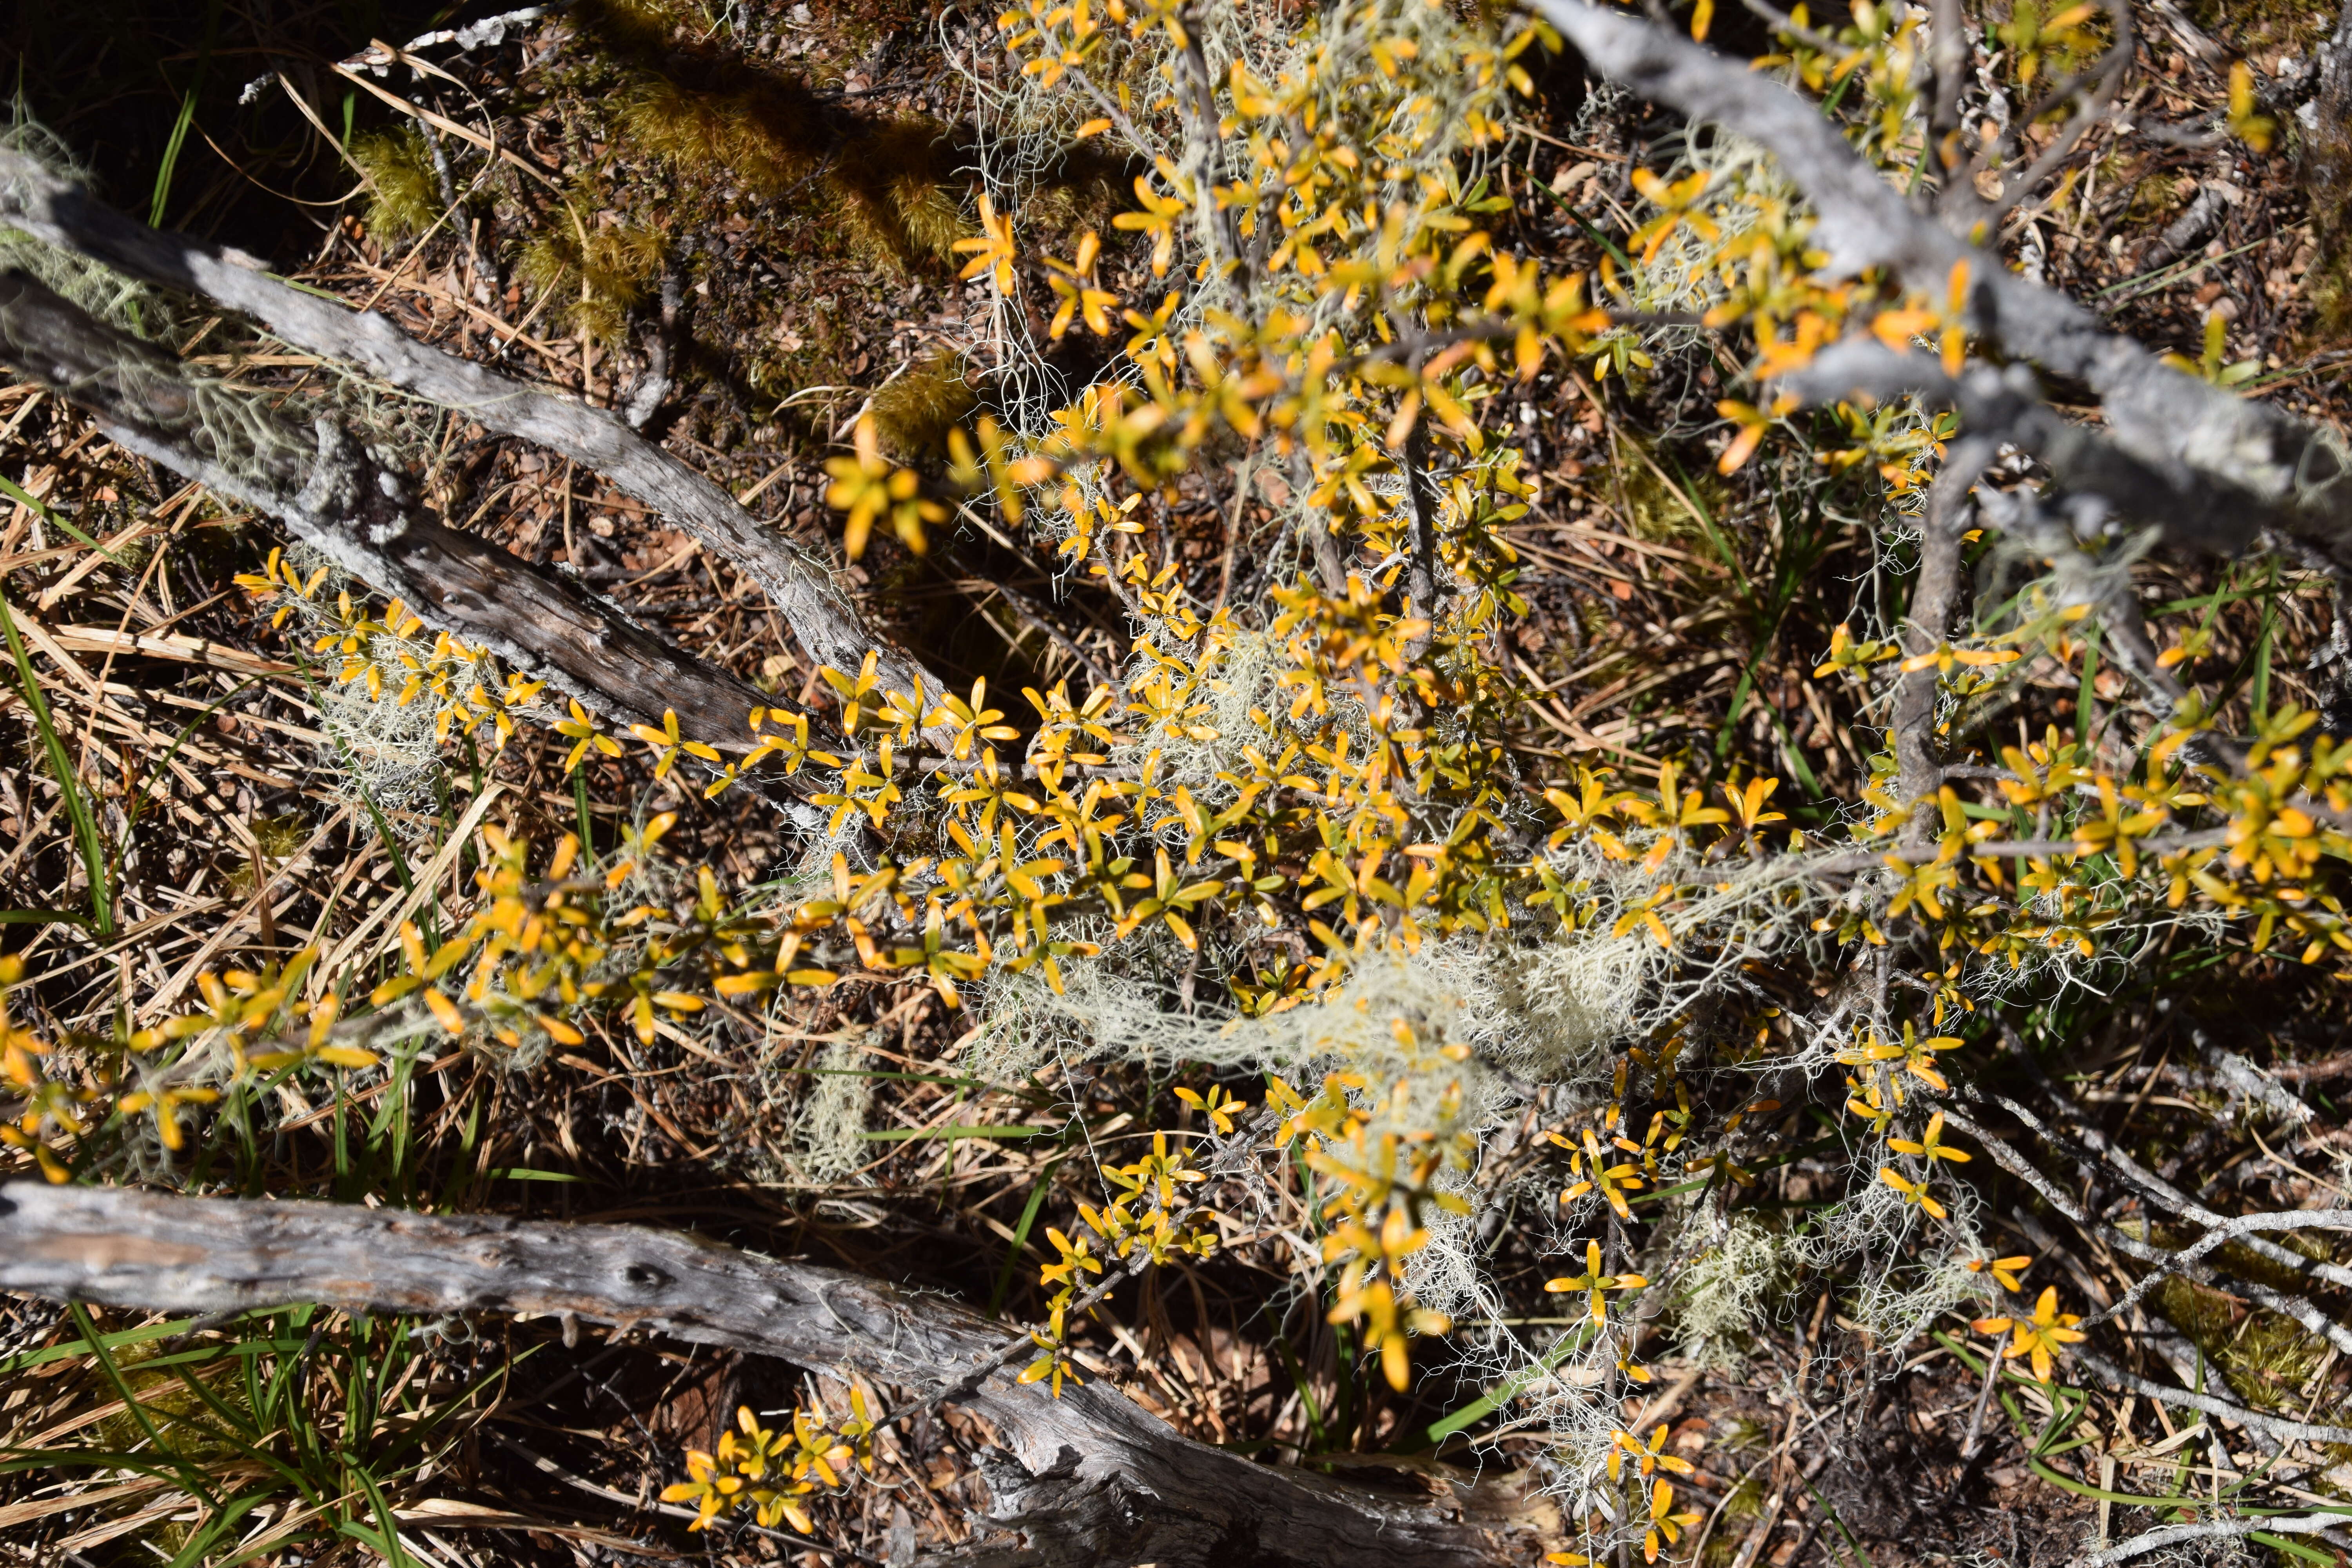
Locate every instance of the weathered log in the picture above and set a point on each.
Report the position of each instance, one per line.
(333, 495)
(1085, 1478)
(57, 211)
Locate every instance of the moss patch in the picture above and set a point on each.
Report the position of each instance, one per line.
(913, 414)
(403, 197)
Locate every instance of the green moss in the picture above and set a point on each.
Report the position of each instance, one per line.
(2328, 284)
(1743, 1435)
(896, 187)
(913, 414)
(1741, 1507)
(403, 198)
(600, 276)
(701, 112)
(895, 190)
(2297, 23)
(765, 140)
(1660, 514)
(2266, 1358)
(2157, 198)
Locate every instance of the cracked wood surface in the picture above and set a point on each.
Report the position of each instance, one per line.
(1089, 1479)
(336, 497)
(58, 211)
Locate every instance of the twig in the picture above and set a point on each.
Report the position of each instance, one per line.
(336, 498)
(2320, 1071)
(2278, 1427)
(1199, 107)
(2233, 1230)
(2216, 1530)
(2293, 1306)
(2175, 425)
(1948, 53)
(1933, 601)
(2109, 69)
(1229, 1159)
(2180, 1202)
(1984, 1401)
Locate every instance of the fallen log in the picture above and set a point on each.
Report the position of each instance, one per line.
(1083, 1479)
(336, 495)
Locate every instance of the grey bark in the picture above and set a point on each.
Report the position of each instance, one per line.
(1934, 603)
(2194, 510)
(58, 212)
(2205, 443)
(1085, 1479)
(336, 497)
(2324, 132)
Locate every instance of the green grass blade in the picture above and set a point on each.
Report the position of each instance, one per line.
(958, 1129)
(85, 825)
(1581, 222)
(25, 1361)
(171, 159)
(1044, 1184)
(199, 1548)
(16, 493)
(1307, 1400)
(1495, 1398)
(187, 1477)
(1687, 493)
(1824, 1503)
(41, 917)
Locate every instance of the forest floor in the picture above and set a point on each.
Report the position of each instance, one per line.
(1674, 610)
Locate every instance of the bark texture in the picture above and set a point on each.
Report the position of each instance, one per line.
(2216, 451)
(1088, 1479)
(58, 212)
(335, 495)
(2327, 138)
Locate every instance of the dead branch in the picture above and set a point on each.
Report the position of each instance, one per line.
(1086, 1478)
(1934, 602)
(2320, 1071)
(2278, 1427)
(2205, 441)
(336, 497)
(2169, 1196)
(2221, 1236)
(1199, 104)
(60, 212)
(2286, 1303)
(2193, 509)
(2215, 1530)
